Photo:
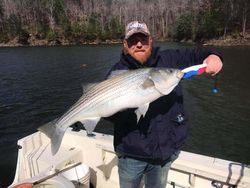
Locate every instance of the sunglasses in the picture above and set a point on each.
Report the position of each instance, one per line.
(134, 39)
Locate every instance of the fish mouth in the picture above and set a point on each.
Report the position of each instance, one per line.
(179, 74)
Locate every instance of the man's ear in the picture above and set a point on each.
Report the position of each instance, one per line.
(125, 44)
(125, 47)
(150, 40)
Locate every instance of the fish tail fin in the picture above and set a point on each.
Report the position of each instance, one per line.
(55, 134)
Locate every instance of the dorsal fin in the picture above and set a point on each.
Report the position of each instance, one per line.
(88, 86)
(116, 72)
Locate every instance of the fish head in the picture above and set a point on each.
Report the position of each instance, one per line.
(171, 73)
(165, 79)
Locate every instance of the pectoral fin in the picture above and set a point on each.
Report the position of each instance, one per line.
(148, 83)
(90, 124)
(141, 111)
(159, 82)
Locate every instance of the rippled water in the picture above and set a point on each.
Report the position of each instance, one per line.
(38, 84)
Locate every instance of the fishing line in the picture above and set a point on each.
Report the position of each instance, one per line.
(215, 89)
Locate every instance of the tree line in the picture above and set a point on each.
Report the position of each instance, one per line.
(89, 20)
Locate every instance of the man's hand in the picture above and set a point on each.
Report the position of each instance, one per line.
(214, 64)
(24, 185)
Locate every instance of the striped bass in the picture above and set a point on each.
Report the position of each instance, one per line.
(122, 90)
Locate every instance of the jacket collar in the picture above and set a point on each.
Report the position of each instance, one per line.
(131, 63)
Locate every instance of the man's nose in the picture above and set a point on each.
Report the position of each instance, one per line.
(139, 44)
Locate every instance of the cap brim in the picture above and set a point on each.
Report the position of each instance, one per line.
(136, 32)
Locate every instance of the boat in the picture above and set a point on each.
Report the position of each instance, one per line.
(90, 162)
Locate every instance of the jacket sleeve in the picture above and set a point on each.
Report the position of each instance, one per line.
(182, 58)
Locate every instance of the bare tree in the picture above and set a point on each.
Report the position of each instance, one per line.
(245, 5)
(103, 16)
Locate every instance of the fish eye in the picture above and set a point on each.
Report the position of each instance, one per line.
(170, 70)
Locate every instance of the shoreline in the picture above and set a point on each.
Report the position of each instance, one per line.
(32, 42)
(229, 41)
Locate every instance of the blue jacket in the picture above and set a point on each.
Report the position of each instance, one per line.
(164, 128)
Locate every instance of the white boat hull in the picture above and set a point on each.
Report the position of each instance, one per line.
(188, 171)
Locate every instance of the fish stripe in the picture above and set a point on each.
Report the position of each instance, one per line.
(102, 91)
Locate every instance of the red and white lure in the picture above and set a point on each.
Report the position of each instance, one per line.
(194, 70)
(198, 70)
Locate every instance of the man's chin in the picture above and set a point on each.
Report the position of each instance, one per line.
(141, 58)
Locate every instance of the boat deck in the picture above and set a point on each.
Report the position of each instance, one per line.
(188, 171)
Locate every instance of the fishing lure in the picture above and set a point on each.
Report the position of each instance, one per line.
(194, 70)
(198, 70)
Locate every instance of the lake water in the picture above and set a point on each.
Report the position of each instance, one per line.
(38, 84)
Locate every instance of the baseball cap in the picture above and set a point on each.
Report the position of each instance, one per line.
(136, 27)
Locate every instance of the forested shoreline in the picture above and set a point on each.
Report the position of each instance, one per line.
(62, 22)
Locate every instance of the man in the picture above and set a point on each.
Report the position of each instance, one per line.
(148, 148)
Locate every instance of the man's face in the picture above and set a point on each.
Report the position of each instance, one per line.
(139, 46)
